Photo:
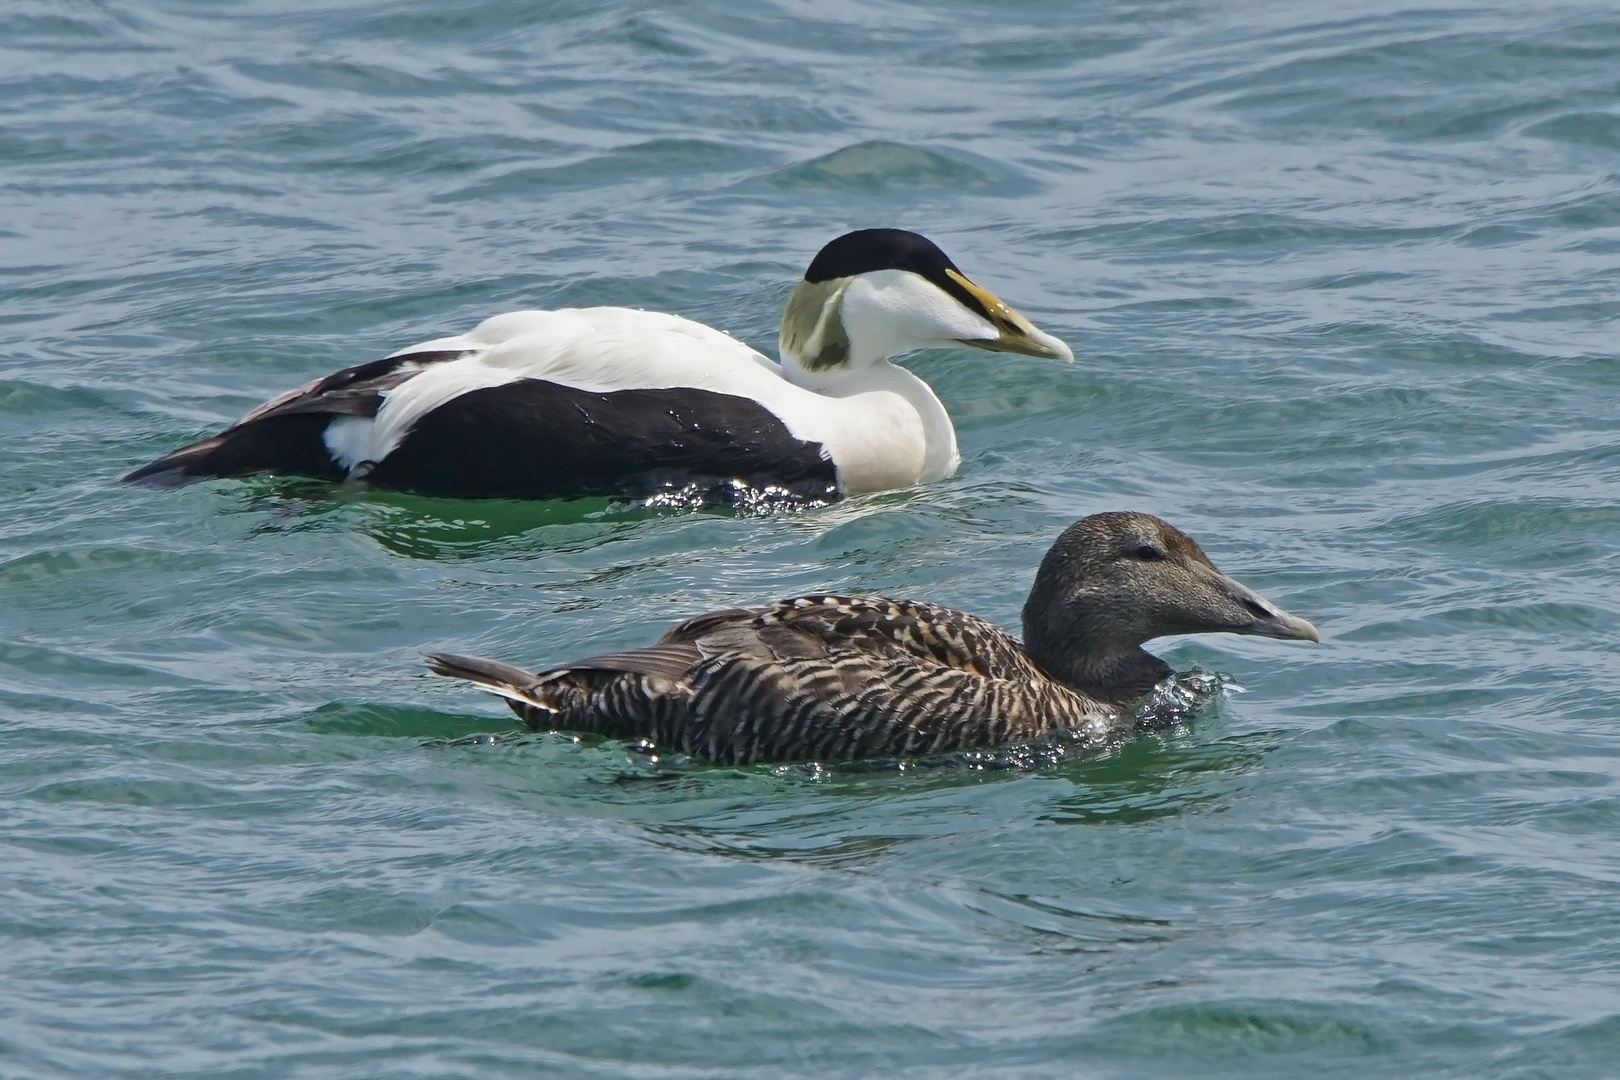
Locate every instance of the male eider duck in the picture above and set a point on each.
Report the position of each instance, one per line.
(614, 401)
(834, 678)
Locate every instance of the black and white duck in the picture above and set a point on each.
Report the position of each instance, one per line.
(615, 401)
(837, 678)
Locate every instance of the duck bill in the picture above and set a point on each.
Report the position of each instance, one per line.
(1265, 618)
(1014, 333)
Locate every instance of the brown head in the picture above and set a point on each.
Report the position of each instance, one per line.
(1114, 581)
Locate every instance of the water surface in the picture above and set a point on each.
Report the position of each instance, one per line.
(1343, 291)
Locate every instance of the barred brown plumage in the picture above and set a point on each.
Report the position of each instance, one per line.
(832, 678)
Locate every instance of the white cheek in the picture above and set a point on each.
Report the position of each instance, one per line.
(887, 312)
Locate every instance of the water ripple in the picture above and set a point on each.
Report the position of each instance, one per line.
(1341, 290)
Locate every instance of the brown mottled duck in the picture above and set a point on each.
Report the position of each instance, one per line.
(837, 678)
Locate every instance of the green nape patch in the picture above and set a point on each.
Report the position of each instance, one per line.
(400, 722)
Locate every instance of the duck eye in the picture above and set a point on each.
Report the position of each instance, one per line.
(1148, 553)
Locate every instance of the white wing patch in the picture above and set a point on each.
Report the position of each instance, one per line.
(347, 439)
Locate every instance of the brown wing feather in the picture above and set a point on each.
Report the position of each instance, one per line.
(691, 629)
(821, 677)
(670, 661)
(930, 633)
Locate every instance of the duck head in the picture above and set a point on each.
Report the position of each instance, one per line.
(877, 293)
(1114, 581)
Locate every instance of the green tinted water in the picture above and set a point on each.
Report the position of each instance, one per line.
(1343, 292)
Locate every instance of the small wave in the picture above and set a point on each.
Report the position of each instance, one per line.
(654, 160)
(1601, 130)
(878, 165)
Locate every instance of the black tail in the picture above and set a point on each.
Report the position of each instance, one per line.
(286, 433)
(270, 444)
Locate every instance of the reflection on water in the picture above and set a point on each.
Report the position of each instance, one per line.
(1155, 778)
(423, 527)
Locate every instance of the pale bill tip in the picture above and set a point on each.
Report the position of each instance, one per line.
(1291, 627)
(1056, 346)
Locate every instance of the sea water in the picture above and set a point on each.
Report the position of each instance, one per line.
(1342, 285)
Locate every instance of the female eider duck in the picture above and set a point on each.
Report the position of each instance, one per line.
(833, 678)
(613, 401)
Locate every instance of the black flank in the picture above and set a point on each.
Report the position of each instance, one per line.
(541, 440)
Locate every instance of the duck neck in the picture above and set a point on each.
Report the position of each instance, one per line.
(940, 456)
(1114, 678)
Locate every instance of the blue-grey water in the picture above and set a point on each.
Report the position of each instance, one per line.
(1343, 284)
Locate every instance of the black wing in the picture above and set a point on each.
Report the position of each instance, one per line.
(285, 434)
